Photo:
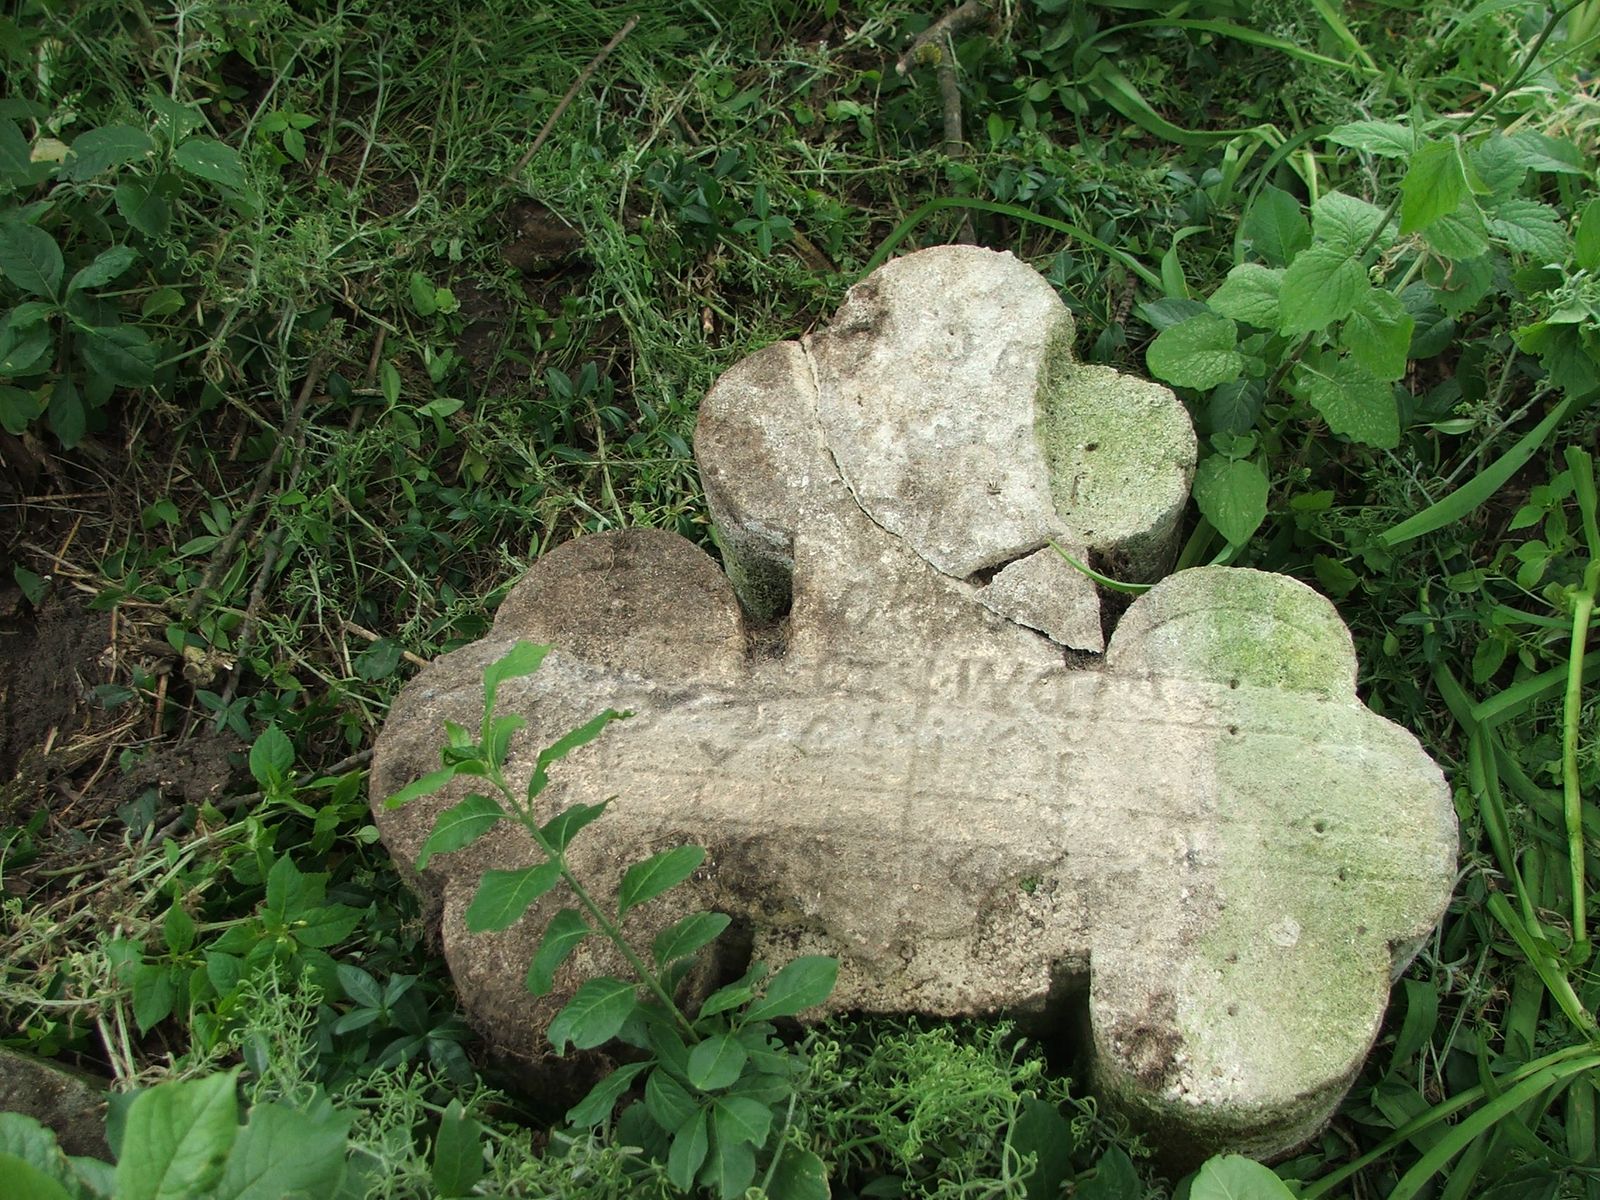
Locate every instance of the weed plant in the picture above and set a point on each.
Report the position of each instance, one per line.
(303, 358)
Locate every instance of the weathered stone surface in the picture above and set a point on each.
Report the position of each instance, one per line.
(71, 1103)
(1203, 832)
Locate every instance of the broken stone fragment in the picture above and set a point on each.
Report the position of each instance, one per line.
(1202, 836)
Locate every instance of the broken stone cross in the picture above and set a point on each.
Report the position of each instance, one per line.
(895, 725)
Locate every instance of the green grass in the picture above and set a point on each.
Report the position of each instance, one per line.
(467, 404)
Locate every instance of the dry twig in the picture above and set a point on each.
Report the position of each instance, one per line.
(577, 85)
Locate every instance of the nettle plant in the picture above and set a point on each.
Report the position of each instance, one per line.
(719, 1088)
(1333, 311)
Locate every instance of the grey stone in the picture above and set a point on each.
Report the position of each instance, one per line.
(1203, 836)
(72, 1104)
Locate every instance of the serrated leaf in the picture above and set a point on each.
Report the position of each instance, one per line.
(1201, 352)
(690, 1142)
(667, 1101)
(1460, 234)
(595, 1108)
(271, 756)
(459, 826)
(1586, 243)
(1351, 400)
(560, 829)
(689, 935)
(1435, 184)
(97, 150)
(178, 929)
(1378, 333)
(646, 880)
(30, 258)
(1276, 227)
(107, 265)
(206, 158)
(593, 1016)
(803, 984)
(1319, 288)
(1530, 228)
(1388, 139)
(716, 1062)
(120, 355)
(1250, 294)
(428, 784)
(739, 1119)
(561, 937)
(143, 206)
(503, 896)
(1540, 152)
(1345, 222)
(176, 1138)
(1232, 495)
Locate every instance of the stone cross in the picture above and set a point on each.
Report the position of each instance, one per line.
(899, 731)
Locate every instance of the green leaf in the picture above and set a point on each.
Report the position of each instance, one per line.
(596, 1107)
(1319, 288)
(1336, 579)
(21, 1180)
(1530, 228)
(593, 1016)
(716, 1062)
(460, 825)
(667, 1101)
(732, 995)
(739, 1119)
(30, 258)
(143, 206)
(561, 937)
(120, 355)
(1276, 227)
(1460, 234)
(1232, 495)
(804, 983)
(1233, 1177)
(1378, 333)
(206, 158)
(359, 986)
(564, 826)
(18, 408)
(566, 744)
(1586, 247)
(1435, 184)
(178, 929)
(689, 935)
(1345, 223)
(503, 896)
(153, 994)
(177, 1137)
(646, 880)
(428, 784)
(1114, 1178)
(1352, 401)
(522, 659)
(690, 1143)
(326, 925)
(728, 1169)
(22, 346)
(800, 1175)
(283, 1152)
(1201, 352)
(457, 1164)
(271, 756)
(1041, 1130)
(17, 170)
(1540, 152)
(1250, 294)
(98, 150)
(107, 265)
(1387, 139)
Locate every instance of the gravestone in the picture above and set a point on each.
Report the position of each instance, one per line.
(896, 724)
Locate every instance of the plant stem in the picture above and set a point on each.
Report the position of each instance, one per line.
(609, 928)
(1582, 608)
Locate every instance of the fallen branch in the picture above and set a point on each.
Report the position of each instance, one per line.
(572, 92)
(947, 26)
